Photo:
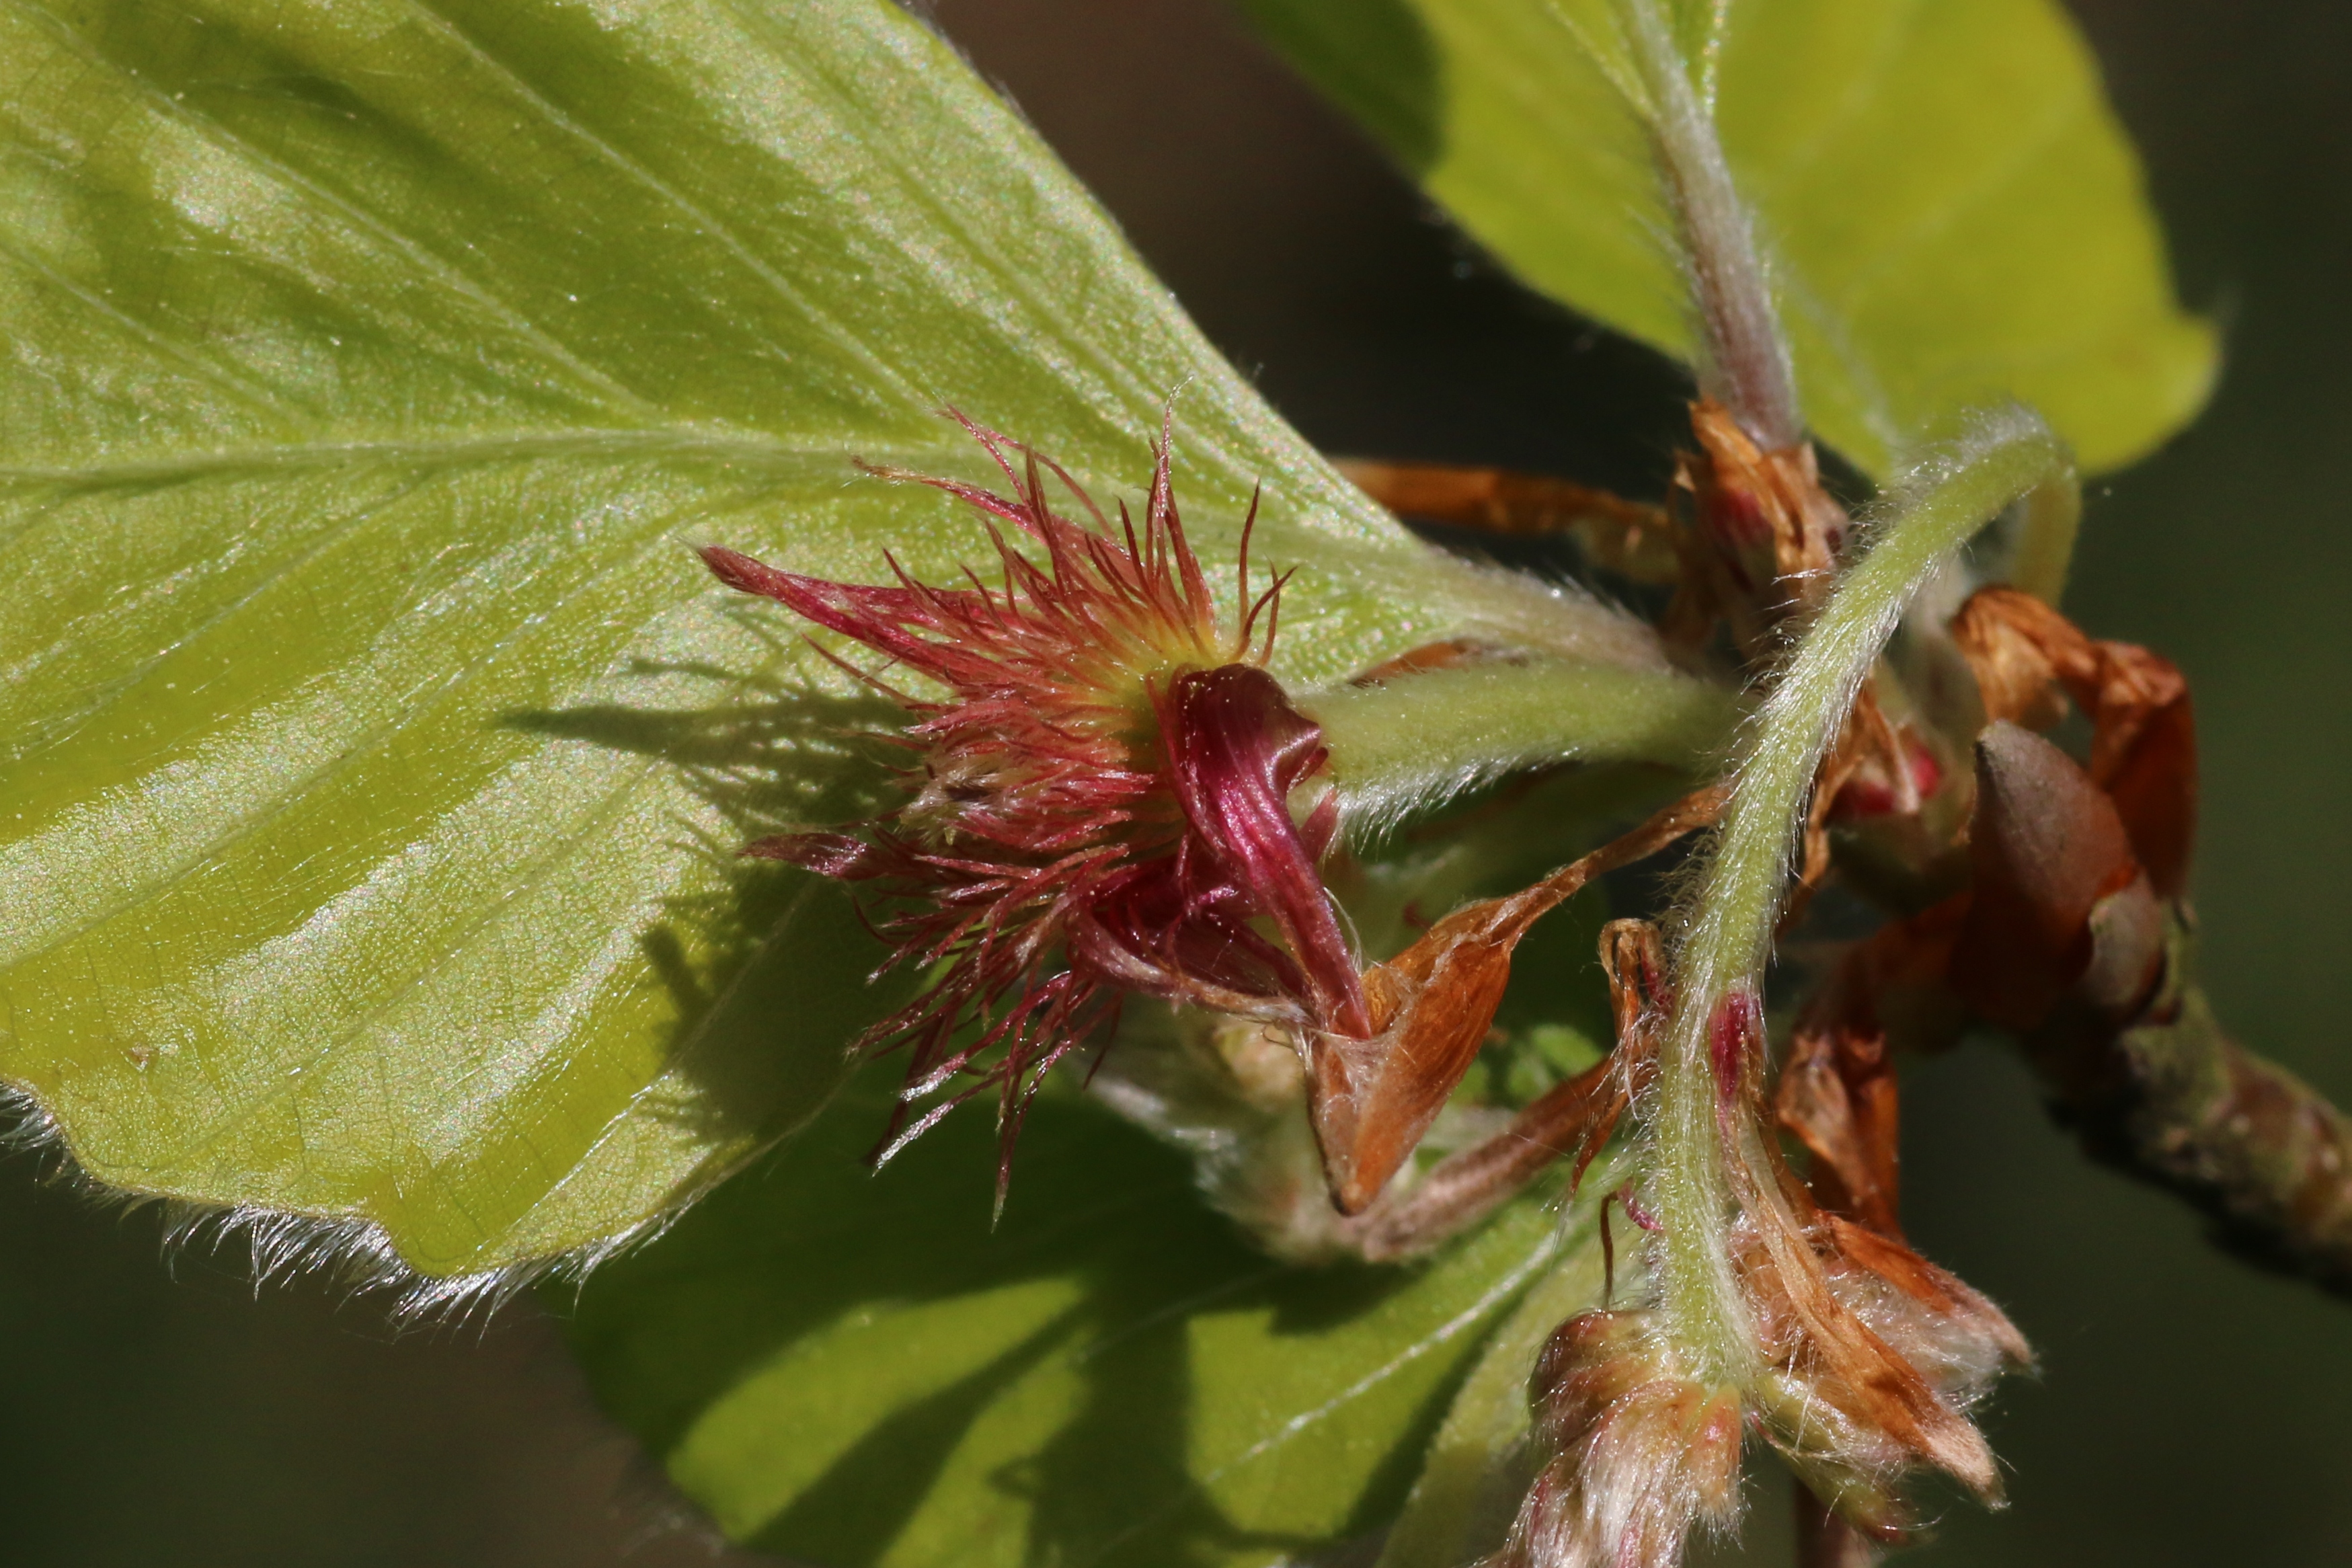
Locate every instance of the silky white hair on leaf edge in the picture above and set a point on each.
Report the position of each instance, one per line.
(348, 1251)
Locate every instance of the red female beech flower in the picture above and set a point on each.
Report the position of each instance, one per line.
(1099, 802)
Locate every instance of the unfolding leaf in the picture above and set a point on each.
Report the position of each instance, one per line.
(373, 750)
(1953, 212)
(849, 1369)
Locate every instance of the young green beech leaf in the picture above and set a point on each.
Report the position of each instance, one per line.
(850, 1369)
(373, 752)
(1951, 210)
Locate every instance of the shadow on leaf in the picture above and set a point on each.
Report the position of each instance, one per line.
(770, 969)
(854, 1368)
(1161, 1405)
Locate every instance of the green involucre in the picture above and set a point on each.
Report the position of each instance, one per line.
(1420, 739)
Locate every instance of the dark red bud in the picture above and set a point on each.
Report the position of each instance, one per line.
(2047, 845)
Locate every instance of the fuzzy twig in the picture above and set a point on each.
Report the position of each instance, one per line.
(2173, 1100)
(1744, 362)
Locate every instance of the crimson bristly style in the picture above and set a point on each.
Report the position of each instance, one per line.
(1099, 792)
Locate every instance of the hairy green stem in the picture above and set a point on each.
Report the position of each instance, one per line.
(1726, 940)
(2044, 548)
(1418, 740)
(1744, 363)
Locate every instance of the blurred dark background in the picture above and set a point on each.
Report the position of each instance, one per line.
(2190, 1412)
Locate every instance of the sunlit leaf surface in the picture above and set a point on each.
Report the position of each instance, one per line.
(852, 1370)
(372, 752)
(1953, 212)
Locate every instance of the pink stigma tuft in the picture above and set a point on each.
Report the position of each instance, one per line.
(1099, 801)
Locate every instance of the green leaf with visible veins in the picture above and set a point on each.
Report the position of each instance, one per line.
(1951, 210)
(372, 750)
(851, 1370)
